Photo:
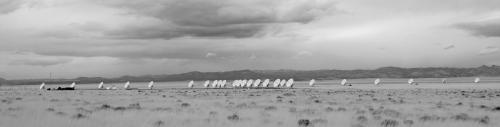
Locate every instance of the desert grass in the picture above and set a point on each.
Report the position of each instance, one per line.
(303, 107)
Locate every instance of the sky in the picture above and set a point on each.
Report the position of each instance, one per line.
(112, 38)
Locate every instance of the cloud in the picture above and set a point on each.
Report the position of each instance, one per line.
(252, 57)
(303, 54)
(7, 6)
(31, 59)
(129, 51)
(449, 46)
(182, 48)
(41, 61)
(489, 27)
(173, 31)
(488, 50)
(215, 18)
(210, 55)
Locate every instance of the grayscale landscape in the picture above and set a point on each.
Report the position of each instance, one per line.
(249, 63)
(324, 105)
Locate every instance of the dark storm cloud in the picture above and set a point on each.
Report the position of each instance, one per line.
(7, 6)
(160, 50)
(486, 29)
(215, 18)
(164, 32)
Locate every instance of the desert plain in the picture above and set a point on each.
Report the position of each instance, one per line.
(324, 105)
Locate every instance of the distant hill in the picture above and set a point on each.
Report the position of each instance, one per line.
(384, 72)
(2, 81)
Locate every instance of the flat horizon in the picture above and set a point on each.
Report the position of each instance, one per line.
(55, 78)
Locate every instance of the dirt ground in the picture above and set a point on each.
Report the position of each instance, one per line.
(318, 107)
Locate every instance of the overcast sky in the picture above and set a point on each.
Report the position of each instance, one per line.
(111, 38)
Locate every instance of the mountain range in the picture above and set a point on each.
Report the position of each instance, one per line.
(384, 72)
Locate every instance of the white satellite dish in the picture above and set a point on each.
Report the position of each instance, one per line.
(477, 80)
(42, 86)
(377, 81)
(243, 83)
(214, 83)
(289, 83)
(249, 83)
(224, 83)
(282, 83)
(411, 81)
(127, 85)
(72, 85)
(101, 85)
(311, 83)
(219, 83)
(238, 83)
(444, 81)
(234, 83)
(190, 84)
(265, 83)
(256, 83)
(150, 85)
(343, 82)
(206, 84)
(276, 83)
